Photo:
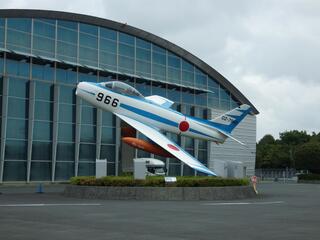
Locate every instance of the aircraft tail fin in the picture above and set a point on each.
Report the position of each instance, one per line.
(229, 120)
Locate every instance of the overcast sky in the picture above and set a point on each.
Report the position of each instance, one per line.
(270, 50)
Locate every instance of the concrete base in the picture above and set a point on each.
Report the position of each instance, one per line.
(160, 193)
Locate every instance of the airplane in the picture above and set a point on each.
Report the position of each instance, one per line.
(152, 115)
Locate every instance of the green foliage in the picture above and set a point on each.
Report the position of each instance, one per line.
(267, 139)
(307, 156)
(128, 181)
(289, 151)
(309, 176)
(294, 137)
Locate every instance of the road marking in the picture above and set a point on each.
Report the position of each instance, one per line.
(49, 204)
(242, 203)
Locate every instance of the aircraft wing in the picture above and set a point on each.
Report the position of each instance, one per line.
(167, 144)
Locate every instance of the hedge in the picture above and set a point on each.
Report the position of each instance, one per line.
(129, 181)
(309, 176)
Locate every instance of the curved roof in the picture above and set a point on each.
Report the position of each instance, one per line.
(133, 31)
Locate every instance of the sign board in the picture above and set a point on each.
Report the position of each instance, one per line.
(170, 179)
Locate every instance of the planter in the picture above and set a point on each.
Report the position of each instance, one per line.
(160, 193)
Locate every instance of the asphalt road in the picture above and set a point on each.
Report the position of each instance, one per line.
(282, 211)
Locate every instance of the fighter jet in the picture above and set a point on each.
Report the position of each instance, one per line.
(153, 115)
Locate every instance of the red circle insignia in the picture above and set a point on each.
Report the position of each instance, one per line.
(173, 147)
(184, 126)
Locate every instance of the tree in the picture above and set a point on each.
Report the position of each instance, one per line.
(294, 137)
(267, 139)
(307, 157)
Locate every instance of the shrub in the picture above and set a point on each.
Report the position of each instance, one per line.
(128, 181)
(309, 176)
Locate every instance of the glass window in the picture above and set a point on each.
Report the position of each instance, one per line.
(187, 66)
(42, 72)
(156, 48)
(20, 24)
(174, 61)
(158, 71)
(88, 56)
(43, 46)
(201, 99)
(225, 104)
(126, 50)
(88, 133)
(16, 150)
(42, 131)
(174, 74)
(174, 169)
(67, 113)
(107, 59)
(111, 169)
(87, 152)
(41, 150)
(188, 96)
(108, 135)
(86, 169)
(68, 24)
(18, 108)
(159, 58)
(43, 29)
(188, 78)
(44, 91)
(87, 77)
(143, 44)
(201, 80)
(40, 171)
(108, 119)
(17, 68)
(224, 94)
(17, 128)
(65, 152)
(67, 51)
(15, 171)
(202, 156)
(1, 67)
(143, 87)
(143, 68)
(67, 95)
(64, 170)
(212, 83)
(174, 93)
(43, 110)
(86, 28)
(108, 46)
(108, 152)
(213, 102)
(18, 41)
(88, 115)
(189, 142)
(108, 33)
(1, 34)
(126, 64)
(66, 132)
(143, 54)
(66, 76)
(187, 171)
(126, 38)
(88, 40)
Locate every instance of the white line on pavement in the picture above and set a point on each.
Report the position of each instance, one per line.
(242, 203)
(48, 204)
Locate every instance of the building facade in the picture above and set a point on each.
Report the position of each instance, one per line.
(48, 134)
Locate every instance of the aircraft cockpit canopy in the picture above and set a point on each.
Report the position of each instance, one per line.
(122, 88)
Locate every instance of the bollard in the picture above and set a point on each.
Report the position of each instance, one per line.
(39, 188)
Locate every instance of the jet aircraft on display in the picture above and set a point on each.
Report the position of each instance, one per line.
(153, 114)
